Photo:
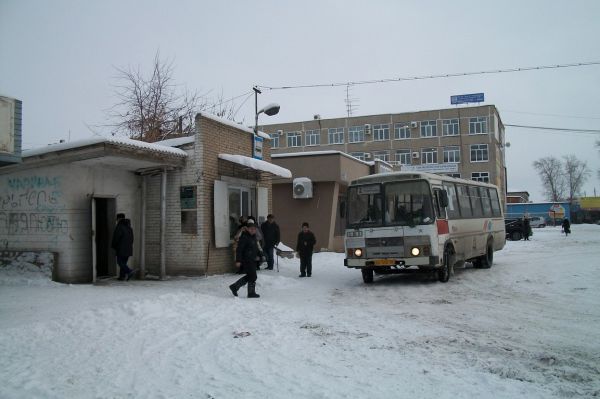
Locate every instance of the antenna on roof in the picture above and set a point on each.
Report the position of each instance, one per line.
(350, 102)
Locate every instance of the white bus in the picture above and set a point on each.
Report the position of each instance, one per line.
(405, 222)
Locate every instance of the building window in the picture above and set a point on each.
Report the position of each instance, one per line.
(313, 137)
(481, 176)
(294, 139)
(274, 140)
(381, 132)
(356, 134)
(478, 125)
(403, 157)
(336, 135)
(452, 154)
(401, 131)
(479, 153)
(450, 127)
(457, 175)
(428, 129)
(358, 155)
(428, 155)
(381, 156)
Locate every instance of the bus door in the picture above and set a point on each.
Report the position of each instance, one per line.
(440, 202)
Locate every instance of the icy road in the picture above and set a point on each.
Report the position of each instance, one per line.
(529, 328)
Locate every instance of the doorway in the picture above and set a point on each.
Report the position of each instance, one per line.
(103, 223)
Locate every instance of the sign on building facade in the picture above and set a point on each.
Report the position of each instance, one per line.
(431, 168)
(467, 98)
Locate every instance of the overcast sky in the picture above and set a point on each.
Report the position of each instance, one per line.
(58, 57)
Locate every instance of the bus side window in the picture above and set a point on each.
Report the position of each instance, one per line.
(475, 201)
(485, 199)
(495, 202)
(452, 208)
(438, 199)
(463, 201)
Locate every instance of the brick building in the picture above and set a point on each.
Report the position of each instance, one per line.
(182, 196)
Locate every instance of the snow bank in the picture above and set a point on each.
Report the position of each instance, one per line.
(26, 268)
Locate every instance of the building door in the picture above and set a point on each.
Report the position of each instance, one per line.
(103, 216)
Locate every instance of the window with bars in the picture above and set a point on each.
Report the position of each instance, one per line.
(356, 134)
(312, 137)
(428, 155)
(479, 153)
(481, 176)
(294, 139)
(336, 135)
(478, 125)
(403, 157)
(450, 127)
(274, 140)
(428, 129)
(381, 132)
(452, 154)
(401, 131)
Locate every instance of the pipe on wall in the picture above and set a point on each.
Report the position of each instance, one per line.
(163, 224)
(143, 230)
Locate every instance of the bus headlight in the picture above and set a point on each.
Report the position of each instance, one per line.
(358, 252)
(415, 251)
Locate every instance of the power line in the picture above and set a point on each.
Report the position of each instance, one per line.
(424, 77)
(555, 115)
(558, 129)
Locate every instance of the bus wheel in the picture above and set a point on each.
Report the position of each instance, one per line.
(443, 274)
(515, 236)
(367, 275)
(486, 261)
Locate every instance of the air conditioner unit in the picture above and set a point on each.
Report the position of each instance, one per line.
(415, 155)
(302, 187)
(367, 128)
(280, 132)
(414, 125)
(367, 155)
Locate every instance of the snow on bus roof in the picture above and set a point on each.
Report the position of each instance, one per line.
(415, 175)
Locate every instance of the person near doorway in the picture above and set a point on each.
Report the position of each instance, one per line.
(526, 228)
(271, 237)
(247, 255)
(566, 227)
(236, 238)
(122, 243)
(304, 247)
(259, 238)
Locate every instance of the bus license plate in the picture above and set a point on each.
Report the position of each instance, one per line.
(385, 262)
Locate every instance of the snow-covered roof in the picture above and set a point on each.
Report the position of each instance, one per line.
(119, 141)
(177, 142)
(235, 125)
(312, 153)
(257, 164)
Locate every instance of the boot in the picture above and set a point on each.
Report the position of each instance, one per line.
(234, 289)
(251, 292)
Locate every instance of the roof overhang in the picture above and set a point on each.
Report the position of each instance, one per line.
(257, 164)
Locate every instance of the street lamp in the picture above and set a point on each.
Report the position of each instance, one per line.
(270, 110)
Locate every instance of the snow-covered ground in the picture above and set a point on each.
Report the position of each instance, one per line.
(529, 327)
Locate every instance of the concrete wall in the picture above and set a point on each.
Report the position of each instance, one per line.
(49, 208)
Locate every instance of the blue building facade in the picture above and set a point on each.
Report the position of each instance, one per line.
(551, 211)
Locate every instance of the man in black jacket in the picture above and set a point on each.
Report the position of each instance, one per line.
(304, 246)
(122, 243)
(271, 238)
(247, 254)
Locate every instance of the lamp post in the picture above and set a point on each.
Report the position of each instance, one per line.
(270, 110)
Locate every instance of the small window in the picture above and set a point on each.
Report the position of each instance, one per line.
(479, 153)
(401, 131)
(450, 127)
(495, 202)
(428, 129)
(274, 140)
(313, 137)
(475, 202)
(464, 201)
(452, 208)
(294, 139)
(356, 134)
(336, 135)
(452, 154)
(381, 132)
(381, 156)
(483, 177)
(403, 157)
(358, 155)
(428, 155)
(485, 201)
(478, 125)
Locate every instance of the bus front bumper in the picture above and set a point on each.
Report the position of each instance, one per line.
(431, 261)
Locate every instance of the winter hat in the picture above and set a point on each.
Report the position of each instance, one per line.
(250, 223)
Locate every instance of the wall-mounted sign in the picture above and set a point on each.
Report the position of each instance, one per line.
(467, 98)
(257, 147)
(431, 168)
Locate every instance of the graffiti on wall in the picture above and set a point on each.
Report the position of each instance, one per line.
(32, 205)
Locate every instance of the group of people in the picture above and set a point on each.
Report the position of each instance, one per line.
(526, 228)
(252, 244)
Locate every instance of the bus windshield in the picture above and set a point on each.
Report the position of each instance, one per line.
(408, 203)
(364, 206)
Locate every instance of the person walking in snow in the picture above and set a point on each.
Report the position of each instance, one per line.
(122, 243)
(566, 227)
(304, 247)
(247, 254)
(259, 238)
(271, 237)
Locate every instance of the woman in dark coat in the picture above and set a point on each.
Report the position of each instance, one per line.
(122, 243)
(304, 246)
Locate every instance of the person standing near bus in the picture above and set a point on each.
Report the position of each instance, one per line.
(304, 246)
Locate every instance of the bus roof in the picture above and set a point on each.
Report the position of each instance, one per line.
(394, 176)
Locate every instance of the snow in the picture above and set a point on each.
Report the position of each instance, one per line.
(284, 248)
(27, 268)
(176, 142)
(257, 164)
(235, 125)
(528, 327)
(313, 153)
(121, 141)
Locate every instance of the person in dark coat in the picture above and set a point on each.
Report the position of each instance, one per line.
(526, 228)
(304, 247)
(247, 254)
(122, 243)
(566, 226)
(271, 238)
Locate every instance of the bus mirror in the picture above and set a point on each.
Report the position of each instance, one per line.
(444, 198)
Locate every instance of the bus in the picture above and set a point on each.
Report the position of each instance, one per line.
(404, 222)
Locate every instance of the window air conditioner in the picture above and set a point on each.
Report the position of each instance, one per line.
(367, 128)
(302, 187)
(414, 125)
(415, 155)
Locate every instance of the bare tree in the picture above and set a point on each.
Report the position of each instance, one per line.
(576, 173)
(551, 172)
(154, 108)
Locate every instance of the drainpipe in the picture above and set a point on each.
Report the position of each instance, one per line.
(143, 231)
(163, 223)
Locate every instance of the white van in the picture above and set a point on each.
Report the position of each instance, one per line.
(537, 221)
